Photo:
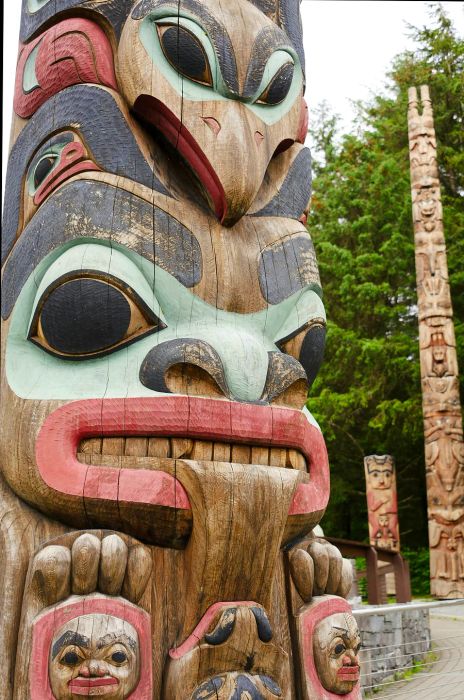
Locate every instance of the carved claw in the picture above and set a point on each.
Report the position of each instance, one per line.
(318, 568)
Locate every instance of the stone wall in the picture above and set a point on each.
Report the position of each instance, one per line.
(391, 642)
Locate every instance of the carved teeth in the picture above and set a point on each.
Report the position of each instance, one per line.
(140, 452)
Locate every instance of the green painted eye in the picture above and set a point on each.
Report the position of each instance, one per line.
(279, 87)
(43, 168)
(185, 53)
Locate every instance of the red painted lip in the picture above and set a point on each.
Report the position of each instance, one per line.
(176, 416)
(349, 673)
(157, 114)
(92, 682)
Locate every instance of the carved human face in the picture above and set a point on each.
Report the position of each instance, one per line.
(380, 477)
(336, 645)
(94, 655)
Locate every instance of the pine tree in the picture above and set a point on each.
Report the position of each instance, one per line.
(367, 397)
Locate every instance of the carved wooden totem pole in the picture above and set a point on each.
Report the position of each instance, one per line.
(162, 321)
(382, 502)
(444, 445)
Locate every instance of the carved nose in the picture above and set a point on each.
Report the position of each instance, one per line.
(184, 366)
(92, 668)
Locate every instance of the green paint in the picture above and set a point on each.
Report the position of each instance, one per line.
(29, 76)
(241, 340)
(54, 150)
(36, 5)
(190, 90)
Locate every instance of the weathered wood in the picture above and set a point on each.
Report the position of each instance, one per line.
(444, 443)
(382, 502)
(162, 322)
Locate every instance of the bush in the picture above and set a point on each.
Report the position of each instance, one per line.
(419, 567)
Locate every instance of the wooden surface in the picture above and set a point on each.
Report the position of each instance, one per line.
(162, 323)
(444, 443)
(382, 501)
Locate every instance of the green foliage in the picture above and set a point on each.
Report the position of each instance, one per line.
(367, 397)
(418, 560)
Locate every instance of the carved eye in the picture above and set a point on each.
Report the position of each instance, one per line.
(71, 657)
(88, 317)
(278, 88)
(119, 657)
(339, 649)
(44, 168)
(185, 53)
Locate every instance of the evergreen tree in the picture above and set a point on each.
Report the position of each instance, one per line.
(367, 397)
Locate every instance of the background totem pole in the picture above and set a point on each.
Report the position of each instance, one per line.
(162, 322)
(382, 502)
(444, 445)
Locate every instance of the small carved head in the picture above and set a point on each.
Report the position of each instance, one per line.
(94, 655)
(335, 647)
(379, 475)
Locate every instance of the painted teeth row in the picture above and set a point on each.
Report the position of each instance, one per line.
(181, 448)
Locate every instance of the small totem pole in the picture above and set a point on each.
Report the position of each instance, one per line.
(382, 504)
(160, 478)
(444, 445)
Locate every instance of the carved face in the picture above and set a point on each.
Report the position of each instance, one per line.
(336, 645)
(147, 278)
(94, 655)
(380, 476)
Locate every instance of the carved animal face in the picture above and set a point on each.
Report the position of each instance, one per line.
(94, 655)
(141, 325)
(336, 645)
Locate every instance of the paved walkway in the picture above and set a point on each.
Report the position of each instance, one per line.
(444, 679)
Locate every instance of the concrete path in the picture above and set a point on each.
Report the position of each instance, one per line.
(443, 679)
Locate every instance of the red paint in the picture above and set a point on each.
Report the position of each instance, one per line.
(158, 115)
(304, 122)
(176, 416)
(84, 686)
(73, 51)
(329, 605)
(72, 161)
(48, 622)
(204, 625)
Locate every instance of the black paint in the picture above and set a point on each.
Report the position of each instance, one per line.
(185, 53)
(105, 131)
(114, 11)
(263, 624)
(216, 31)
(269, 40)
(69, 637)
(279, 86)
(180, 351)
(288, 267)
(245, 684)
(223, 629)
(282, 371)
(312, 351)
(106, 213)
(293, 196)
(271, 685)
(209, 689)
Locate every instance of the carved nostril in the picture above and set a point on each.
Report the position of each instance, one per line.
(259, 138)
(184, 366)
(286, 381)
(213, 124)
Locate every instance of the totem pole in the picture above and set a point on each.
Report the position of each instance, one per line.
(444, 445)
(382, 502)
(162, 322)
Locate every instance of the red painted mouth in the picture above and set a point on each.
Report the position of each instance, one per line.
(158, 115)
(60, 435)
(86, 686)
(348, 673)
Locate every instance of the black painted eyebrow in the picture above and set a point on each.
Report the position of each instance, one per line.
(67, 638)
(114, 215)
(269, 40)
(216, 31)
(114, 638)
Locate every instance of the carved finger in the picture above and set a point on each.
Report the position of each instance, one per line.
(113, 562)
(85, 554)
(51, 575)
(346, 579)
(138, 570)
(224, 627)
(320, 558)
(262, 623)
(302, 571)
(335, 568)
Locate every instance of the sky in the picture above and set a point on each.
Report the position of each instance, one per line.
(349, 45)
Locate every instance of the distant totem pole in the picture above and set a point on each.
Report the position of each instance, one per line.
(382, 501)
(162, 323)
(444, 444)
